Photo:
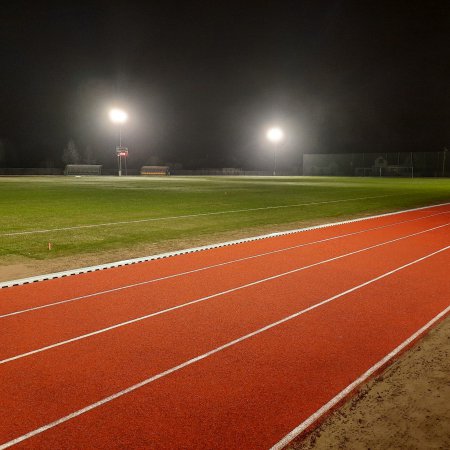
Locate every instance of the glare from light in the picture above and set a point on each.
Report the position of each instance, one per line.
(275, 134)
(118, 115)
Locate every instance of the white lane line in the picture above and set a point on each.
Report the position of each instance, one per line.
(208, 297)
(345, 392)
(186, 216)
(126, 262)
(129, 286)
(227, 345)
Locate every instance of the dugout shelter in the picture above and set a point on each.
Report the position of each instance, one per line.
(155, 170)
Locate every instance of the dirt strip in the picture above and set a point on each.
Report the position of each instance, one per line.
(405, 407)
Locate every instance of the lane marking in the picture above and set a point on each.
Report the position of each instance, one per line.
(230, 344)
(352, 386)
(126, 262)
(208, 297)
(185, 216)
(142, 283)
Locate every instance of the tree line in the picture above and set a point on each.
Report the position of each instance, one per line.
(71, 154)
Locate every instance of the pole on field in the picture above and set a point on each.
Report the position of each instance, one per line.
(443, 160)
(119, 117)
(275, 135)
(275, 158)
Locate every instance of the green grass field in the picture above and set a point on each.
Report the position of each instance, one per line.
(37, 204)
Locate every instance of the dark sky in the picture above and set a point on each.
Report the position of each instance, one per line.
(202, 80)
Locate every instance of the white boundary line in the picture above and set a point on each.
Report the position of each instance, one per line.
(201, 269)
(127, 262)
(208, 297)
(345, 392)
(187, 216)
(230, 344)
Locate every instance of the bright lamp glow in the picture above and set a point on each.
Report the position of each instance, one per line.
(275, 134)
(118, 115)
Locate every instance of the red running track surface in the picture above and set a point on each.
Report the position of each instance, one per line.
(232, 347)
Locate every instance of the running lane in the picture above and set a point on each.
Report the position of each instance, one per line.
(224, 401)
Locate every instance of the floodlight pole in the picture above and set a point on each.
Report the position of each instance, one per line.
(275, 136)
(443, 161)
(275, 144)
(119, 157)
(119, 117)
(120, 146)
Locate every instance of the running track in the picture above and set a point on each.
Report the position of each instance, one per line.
(242, 346)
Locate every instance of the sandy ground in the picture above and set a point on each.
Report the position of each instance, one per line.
(406, 407)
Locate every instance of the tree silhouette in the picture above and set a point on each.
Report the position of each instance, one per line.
(70, 153)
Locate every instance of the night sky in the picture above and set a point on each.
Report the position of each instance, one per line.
(201, 81)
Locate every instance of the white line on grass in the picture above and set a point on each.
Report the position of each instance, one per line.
(142, 283)
(237, 341)
(208, 297)
(186, 216)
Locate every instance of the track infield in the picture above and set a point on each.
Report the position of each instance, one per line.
(241, 346)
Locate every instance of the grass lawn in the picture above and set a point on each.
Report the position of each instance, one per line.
(37, 204)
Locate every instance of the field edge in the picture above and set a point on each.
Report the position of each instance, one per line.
(126, 262)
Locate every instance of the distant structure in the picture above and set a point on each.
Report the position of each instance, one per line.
(382, 168)
(83, 169)
(155, 170)
(231, 171)
(122, 155)
(386, 164)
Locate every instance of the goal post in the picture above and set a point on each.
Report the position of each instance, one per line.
(83, 169)
(399, 171)
(388, 171)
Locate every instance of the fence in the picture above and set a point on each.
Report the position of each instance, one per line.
(29, 171)
(393, 164)
(227, 172)
(398, 164)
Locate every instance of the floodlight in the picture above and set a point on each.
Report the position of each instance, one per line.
(118, 115)
(275, 134)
